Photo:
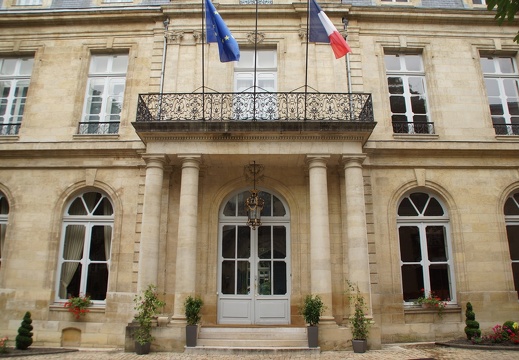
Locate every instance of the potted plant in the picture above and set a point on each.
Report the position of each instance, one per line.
(146, 306)
(431, 301)
(192, 307)
(359, 321)
(78, 305)
(312, 310)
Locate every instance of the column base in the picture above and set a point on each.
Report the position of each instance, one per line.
(327, 321)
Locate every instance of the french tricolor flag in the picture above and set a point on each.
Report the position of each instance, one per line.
(322, 30)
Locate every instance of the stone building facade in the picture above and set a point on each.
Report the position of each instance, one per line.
(107, 185)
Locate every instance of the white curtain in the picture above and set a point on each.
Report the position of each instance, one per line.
(73, 249)
(4, 211)
(107, 210)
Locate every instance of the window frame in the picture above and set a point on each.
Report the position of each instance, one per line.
(409, 125)
(4, 221)
(512, 220)
(422, 222)
(29, 2)
(265, 97)
(88, 221)
(510, 128)
(10, 123)
(109, 79)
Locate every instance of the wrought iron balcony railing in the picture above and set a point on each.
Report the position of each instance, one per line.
(405, 127)
(9, 129)
(506, 129)
(98, 128)
(260, 106)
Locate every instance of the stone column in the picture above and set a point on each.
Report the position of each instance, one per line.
(185, 274)
(358, 259)
(320, 258)
(150, 228)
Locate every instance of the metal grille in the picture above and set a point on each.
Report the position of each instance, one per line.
(98, 128)
(9, 129)
(405, 127)
(275, 106)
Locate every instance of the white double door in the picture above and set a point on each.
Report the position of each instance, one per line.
(254, 274)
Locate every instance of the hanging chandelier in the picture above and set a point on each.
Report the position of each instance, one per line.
(254, 204)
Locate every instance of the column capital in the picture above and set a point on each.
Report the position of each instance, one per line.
(317, 160)
(352, 160)
(155, 160)
(190, 160)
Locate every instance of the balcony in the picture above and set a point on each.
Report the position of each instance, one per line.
(214, 112)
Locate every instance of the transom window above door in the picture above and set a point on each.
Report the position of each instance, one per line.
(236, 205)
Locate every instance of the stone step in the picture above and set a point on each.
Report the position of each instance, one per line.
(294, 333)
(226, 339)
(224, 350)
(229, 342)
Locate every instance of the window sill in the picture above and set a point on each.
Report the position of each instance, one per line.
(418, 309)
(59, 307)
(513, 138)
(9, 137)
(416, 136)
(96, 136)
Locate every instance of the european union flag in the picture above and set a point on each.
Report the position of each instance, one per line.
(218, 32)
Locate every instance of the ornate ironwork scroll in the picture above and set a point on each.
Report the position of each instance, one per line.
(259, 106)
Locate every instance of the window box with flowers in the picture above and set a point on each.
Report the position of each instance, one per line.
(431, 301)
(78, 305)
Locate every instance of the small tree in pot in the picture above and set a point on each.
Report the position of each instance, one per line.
(359, 321)
(312, 310)
(192, 307)
(146, 306)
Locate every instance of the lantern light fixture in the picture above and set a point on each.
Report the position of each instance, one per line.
(254, 204)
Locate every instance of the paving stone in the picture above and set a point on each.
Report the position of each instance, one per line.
(388, 352)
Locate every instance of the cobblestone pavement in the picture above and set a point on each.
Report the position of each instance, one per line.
(388, 352)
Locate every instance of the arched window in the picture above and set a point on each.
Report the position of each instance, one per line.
(4, 213)
(425, 251)
(85, 247)
(512, 231)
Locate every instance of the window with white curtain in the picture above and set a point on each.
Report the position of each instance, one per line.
(407, 94)
(4, 213)
(502, 83)
(258, 103)
(512, 232)
(28, 2)
(425, 248)
(104, 94)
(15, 75)
(86, 241)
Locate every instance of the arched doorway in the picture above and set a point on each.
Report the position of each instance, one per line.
(254, 264)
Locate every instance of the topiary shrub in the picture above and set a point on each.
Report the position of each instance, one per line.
(510, 325)
(472, 328)
(24, 338)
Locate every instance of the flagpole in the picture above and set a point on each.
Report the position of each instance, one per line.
(306, 56)
(203, 62)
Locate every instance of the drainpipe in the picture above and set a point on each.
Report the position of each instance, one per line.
(163, 66)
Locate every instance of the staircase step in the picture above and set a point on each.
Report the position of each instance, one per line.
(252, 342)
(253, 333)
(229, 339)
(224, 350)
